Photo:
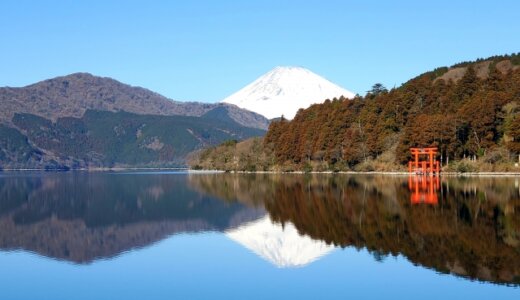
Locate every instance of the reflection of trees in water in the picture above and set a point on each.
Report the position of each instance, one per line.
(106, 199)
(250, 189)
(81, 217)
(473, 231)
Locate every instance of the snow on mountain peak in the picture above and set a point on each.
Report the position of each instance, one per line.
(284, 90)
(282, 246)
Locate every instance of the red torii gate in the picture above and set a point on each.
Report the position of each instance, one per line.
(428, 166)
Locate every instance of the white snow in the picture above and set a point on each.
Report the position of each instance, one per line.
(282, 246)
(284, 90)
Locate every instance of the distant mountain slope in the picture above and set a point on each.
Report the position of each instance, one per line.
(284, 90)
(72, 95)
(108, 139)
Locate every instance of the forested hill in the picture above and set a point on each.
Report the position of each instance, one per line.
(84, 121)
(469, 110)
(108, 139)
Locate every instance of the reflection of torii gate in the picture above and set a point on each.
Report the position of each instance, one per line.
(424, 189)
(428, 166)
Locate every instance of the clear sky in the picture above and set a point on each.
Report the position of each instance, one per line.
(206, 50)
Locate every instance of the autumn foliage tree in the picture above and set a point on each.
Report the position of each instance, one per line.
(514, 131)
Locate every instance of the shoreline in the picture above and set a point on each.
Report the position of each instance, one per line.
(395, 173)
(191, 171)
(116, 169)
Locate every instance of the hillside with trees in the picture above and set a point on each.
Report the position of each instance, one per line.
(85, 121)
(108, 139)
(470, 111)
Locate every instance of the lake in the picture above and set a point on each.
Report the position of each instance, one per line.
(178, 235)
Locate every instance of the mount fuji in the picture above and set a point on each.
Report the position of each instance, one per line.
(284, 90)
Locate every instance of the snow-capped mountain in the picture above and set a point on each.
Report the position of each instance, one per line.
(284, 90)
(282, 246)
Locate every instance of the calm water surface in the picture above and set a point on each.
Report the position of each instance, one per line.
(206, 236)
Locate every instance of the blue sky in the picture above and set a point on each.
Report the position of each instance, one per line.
(206, 50)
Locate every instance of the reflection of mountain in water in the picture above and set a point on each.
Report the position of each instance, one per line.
(281, 245)
(473, 231)
(82, 217)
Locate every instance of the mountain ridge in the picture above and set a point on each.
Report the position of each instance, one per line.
(86, 121)
(71, 95)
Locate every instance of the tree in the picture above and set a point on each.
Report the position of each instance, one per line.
(514, 132)
(378, 89)
(468, 84)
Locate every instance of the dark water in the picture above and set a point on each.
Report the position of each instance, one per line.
(207, 236)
